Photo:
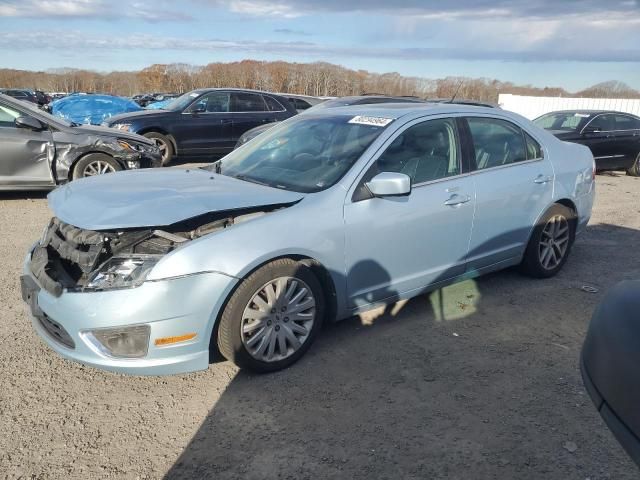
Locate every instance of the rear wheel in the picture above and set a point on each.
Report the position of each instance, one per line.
(95, 164)
(550, 243)
(164, 144)
(634, 170)
(272, 318)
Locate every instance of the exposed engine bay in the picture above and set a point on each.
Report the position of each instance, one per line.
(67, 257)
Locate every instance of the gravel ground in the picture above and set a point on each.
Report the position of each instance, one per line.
(478, 380)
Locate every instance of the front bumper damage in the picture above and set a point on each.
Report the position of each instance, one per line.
(63, 311)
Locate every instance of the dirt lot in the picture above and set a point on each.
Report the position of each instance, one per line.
(478, 380)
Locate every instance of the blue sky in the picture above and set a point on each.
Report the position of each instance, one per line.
(567, 43)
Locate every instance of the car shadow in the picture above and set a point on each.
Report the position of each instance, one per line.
(24, 195)
(477, 379)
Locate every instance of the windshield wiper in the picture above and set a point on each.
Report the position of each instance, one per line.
(251, 180)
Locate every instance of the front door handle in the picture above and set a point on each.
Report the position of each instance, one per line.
(455, 200)
(542, 179)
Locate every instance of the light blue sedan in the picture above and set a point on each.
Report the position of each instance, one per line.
(324, 216)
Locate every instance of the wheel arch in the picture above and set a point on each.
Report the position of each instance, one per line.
(317, 268)
(85, 154)
(566, 202)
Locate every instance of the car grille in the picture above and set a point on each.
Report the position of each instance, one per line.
(56, 331)
(65, 255)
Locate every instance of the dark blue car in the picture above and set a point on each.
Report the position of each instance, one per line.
(205, 122)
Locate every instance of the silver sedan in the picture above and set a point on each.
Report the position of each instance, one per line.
(324, 216)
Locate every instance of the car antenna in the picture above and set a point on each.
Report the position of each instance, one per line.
(457, 90)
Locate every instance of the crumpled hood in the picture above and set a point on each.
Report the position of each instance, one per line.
(156, 198)
(109, 132)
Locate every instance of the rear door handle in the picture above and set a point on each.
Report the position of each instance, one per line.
(455, 200)
(542, 179)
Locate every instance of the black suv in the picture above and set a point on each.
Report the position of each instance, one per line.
(613, 137)
(205, 122)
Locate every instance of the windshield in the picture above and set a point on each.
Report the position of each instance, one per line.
(182, 102)
(305, 154)
(568, 121)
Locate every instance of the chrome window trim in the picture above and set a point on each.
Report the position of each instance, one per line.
(513, 164)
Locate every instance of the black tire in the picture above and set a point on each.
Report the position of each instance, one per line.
(165, 145)
(93, 162)
(634, 170)
(532, 264)
(229, 338)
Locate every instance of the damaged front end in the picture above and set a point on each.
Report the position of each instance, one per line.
(129, 153)
(73, 259)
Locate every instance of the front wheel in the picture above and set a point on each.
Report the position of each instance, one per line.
(95, 164)
(273, 317)
(164, 145)
(550, 243)
(634, 170)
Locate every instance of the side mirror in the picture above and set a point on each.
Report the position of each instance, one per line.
(198, 108)
(390, 184)
(29, 122)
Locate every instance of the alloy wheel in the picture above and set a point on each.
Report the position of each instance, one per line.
(162, 146)
(98, 168)
(278, 319)
(554, 242)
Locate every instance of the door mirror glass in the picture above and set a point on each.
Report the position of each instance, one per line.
(390, 184)
(29, 122)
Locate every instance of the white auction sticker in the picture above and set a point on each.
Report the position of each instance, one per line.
(375, 121)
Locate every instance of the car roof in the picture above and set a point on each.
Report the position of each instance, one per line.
(397, 110)
(590, 112)
(248, 90)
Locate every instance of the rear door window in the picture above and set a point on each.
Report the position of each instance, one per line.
(247, 102)
(496, 142)
(625, 122)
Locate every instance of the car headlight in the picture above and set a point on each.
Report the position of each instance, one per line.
(125, 127)
(123, 342)
(123, 272)
(131, 146)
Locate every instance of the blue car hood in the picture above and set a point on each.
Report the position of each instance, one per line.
(155, 198)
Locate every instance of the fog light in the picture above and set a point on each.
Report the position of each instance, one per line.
(132, 164)
(124, 342)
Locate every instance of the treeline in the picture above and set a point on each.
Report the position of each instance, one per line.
(317, 79)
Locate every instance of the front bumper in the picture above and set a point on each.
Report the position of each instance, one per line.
(170, 307)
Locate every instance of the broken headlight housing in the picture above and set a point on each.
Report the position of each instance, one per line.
(122, 272)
